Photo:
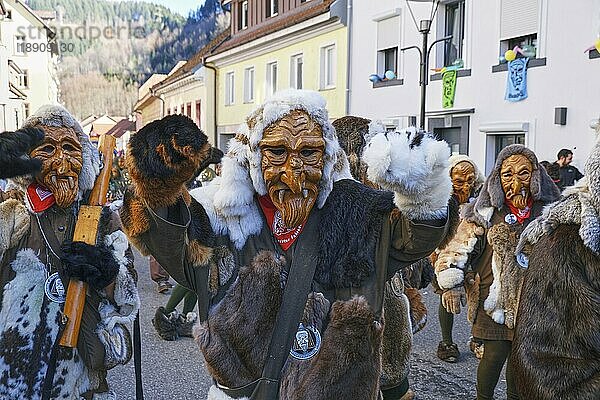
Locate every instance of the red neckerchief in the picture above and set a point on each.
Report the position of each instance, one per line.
(284, 236)
(39, 197)
(523, 214)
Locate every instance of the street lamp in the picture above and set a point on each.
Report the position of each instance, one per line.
(424, 27)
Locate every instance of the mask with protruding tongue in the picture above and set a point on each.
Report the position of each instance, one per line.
(292, 151)
(62, 159)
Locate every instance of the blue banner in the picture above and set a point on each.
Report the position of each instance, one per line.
(516, 81)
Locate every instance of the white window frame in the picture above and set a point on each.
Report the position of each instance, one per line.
(244, 14)
(229, 88)
(271, 78)
(295, 60)
(328, 67)
(249, 84)
(272, 7)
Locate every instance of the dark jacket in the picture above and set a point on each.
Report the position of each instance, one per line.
(569, 174)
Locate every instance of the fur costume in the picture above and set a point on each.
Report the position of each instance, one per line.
(556, 351)
(29, 322)
(483, 221)
(356, 244)
(14, 147)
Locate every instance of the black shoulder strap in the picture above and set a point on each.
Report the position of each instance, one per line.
(297, 287)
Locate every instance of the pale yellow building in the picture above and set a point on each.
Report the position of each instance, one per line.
(278, 45)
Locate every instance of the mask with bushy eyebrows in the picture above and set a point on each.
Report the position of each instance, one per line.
(292, 150)
(515, 176)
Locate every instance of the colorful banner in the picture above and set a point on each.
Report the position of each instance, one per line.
(516, 81)
(448, 88)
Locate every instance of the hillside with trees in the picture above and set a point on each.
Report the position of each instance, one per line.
(112, 47)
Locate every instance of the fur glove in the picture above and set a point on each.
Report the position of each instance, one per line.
(95, 265)
(414, 165)
(453, 299)
(14, 152)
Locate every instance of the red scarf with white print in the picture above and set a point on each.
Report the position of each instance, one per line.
(284, 235)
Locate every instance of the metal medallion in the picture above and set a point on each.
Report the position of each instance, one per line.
(55, 290)
(510, 219)
(307, 343)
(523, 260)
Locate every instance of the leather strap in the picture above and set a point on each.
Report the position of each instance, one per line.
(137, 358)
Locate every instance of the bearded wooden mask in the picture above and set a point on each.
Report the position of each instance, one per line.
(515, 176)
(292, 151)
(463, 181)
(62, 159)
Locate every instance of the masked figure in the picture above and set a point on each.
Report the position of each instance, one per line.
(286, 203)
(54, 167)
(480, 258)
(556, 348)
(466, 183)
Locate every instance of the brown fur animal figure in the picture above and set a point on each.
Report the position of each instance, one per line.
(161, 158)
(235, 338)
(350, 371)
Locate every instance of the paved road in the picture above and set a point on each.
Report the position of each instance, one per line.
(175, 371)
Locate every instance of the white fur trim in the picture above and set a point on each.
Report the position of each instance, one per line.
(14, 223)
(491, 302)
(450, 278)
(418, 175)
(230, 204)
(214, 393)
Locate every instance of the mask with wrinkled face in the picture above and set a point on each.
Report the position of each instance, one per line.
(292, 150)
(62, 159)
(463, 181)
(515, 176)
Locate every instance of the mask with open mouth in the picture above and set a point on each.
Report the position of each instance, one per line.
(62, 160)
(292, 150)
(463, 181)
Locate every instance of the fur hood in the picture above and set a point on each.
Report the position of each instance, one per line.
(458, 158)
(492, 196)
(57, 116)
(231, 198)
(580, 205)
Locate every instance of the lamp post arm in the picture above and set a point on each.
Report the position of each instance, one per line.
(444, 39)
(413, 47)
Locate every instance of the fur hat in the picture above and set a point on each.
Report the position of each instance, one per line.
(492, 196)
(457, 159)
(57, 116)
(241, 174)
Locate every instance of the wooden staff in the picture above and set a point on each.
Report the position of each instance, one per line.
(86, 230)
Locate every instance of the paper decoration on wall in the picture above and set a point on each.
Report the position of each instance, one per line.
(448, 88)
(516, 81)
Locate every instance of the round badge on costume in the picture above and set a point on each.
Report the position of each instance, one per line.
(307, 343)
(510, 219)
(523, 260)
(55, 290)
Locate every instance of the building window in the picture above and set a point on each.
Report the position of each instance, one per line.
(199, 113)
(182, 109)
(328, 67)
(388, 39)
(19, 45)
(168, 111)
(455, 26)
(387, 60)
(23, 80)
(518, 26)
(229, 88)
(249, 85)
(271, 78)
(296, 72)
(189, 110)
(243, 19)
(272, 7)
(27, 110)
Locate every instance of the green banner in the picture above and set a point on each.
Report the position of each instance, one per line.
(448, 88)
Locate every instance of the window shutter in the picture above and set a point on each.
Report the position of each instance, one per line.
(518, 18)
(388, 33)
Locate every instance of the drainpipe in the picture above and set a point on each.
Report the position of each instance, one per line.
(349, 55)
(212, 68)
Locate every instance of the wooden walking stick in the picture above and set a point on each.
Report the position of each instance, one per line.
(86, 230)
